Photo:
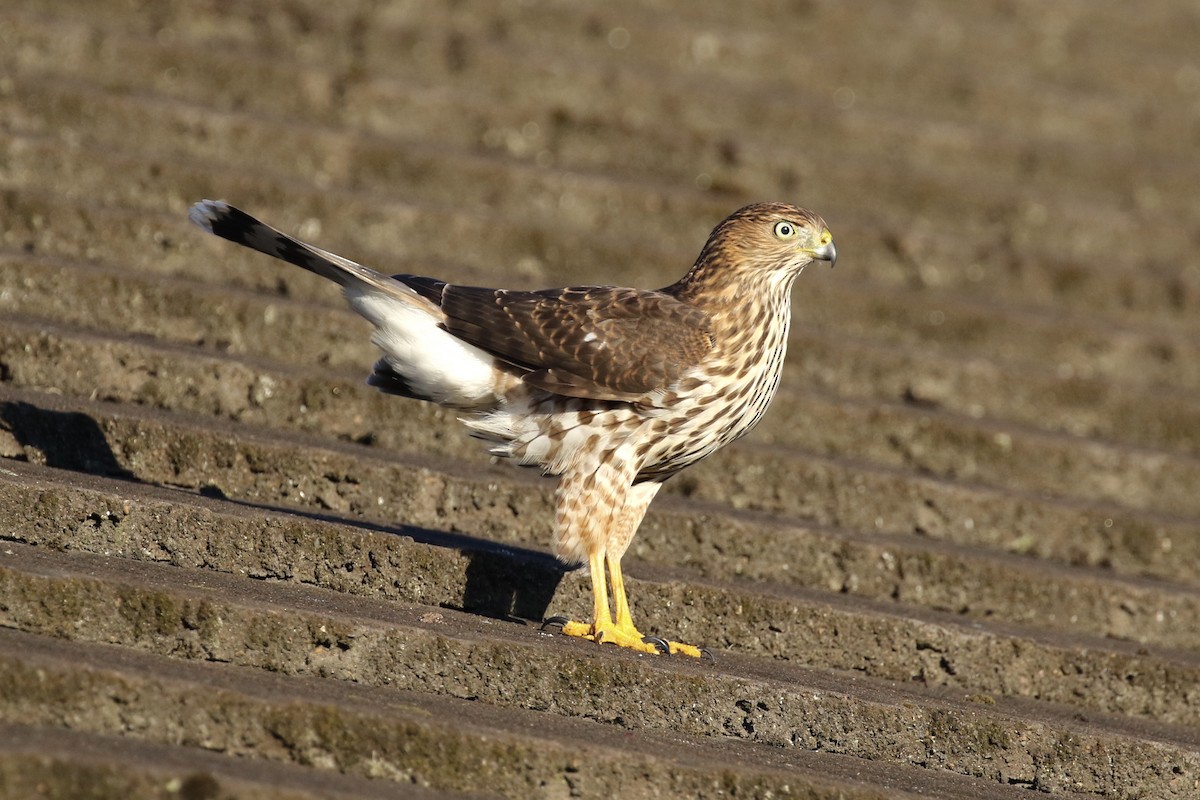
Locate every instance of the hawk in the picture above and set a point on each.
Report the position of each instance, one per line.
(612, 390)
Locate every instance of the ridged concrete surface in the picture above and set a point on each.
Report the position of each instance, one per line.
(957, 559)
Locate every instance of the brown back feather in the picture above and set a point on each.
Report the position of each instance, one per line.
(596, 342)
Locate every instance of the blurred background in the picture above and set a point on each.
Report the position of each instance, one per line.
(989, 414)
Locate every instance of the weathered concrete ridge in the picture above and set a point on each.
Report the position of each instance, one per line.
(957, 559)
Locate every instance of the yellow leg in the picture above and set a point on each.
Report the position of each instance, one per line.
(597, 514)
(603, 630)
(600, 611)
(624, 619)
(621, 631)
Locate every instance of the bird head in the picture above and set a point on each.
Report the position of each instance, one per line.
(769, 242)
(777, 236)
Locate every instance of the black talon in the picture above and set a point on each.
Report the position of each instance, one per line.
(660, 645)
(555, 622)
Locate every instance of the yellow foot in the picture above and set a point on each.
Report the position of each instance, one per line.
(629, 637)
(689, 650)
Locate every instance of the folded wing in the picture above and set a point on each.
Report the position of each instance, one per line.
(596, 342)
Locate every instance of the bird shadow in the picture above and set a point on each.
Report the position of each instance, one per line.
(505, 582)
(69, 440)
(502, 582)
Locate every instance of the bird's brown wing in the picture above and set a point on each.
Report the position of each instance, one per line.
(595, 342)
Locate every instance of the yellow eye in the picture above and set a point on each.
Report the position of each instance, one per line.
(785, 230)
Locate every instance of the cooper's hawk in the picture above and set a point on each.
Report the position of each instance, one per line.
(613, 390)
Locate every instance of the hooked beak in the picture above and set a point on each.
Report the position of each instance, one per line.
(826, 252)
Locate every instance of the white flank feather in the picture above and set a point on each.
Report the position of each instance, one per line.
(434, 363)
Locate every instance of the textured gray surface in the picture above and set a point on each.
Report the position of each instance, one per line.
(957, 559)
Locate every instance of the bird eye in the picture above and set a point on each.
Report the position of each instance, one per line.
(785, 230)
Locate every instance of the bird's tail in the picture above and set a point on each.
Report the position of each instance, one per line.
(222, 219)
(421, 359)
